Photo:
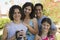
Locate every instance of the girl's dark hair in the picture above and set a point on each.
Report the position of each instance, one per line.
(46, 20)
(38, 4)
(11, 11)
(32, 7)
(40, 29)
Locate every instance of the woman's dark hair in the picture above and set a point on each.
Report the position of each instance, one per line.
(38, 4)
(48, 20)
(11, 11)
(32, 7)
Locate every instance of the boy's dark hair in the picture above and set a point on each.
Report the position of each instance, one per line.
(38, 4)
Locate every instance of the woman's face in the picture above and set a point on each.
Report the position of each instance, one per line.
(27, 10)
(45, 27)
(17, 14)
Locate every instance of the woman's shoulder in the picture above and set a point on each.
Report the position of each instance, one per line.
(7, 24)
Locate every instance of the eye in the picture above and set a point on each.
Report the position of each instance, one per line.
(47, 25)
(44, 24)
(26, 8)
(18, 12)
(29, 9)
(59, 28)
(14, 12)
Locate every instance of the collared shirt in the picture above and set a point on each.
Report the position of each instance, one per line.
(40, 19)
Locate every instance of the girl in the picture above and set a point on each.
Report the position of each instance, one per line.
(44, 30)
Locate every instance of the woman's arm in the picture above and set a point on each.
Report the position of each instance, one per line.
(5, 33)
(4, 36)
(13, 38)
(35, 29)
(35, 25)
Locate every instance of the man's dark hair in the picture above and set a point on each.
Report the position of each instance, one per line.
(38, 4)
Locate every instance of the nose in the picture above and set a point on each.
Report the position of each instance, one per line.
(27, 10)
(45, 27)
(38, 11)
(17, 14)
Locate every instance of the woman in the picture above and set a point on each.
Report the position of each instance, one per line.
(29, 20)
(15, 24)
(44, 33)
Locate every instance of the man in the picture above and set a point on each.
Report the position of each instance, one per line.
(39, 14)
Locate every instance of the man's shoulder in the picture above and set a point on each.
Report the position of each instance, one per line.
(44, 16)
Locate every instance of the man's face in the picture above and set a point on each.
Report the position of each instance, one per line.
(38, 11)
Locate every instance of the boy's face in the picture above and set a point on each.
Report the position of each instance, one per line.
(45, 27)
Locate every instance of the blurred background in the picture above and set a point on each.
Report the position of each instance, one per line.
(51, 9)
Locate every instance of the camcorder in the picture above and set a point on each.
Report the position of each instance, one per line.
(20, 35)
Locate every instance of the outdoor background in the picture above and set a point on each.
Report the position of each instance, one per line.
(51, 9)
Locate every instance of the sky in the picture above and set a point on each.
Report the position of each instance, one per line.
(5, 4)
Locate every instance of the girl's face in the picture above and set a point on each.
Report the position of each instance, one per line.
(17, 14)
(27, 10)
(45, 27)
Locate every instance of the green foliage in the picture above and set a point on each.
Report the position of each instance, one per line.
(46, 12)
(52, 10)
(3, 21)
(0, 37)
(52, 14)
